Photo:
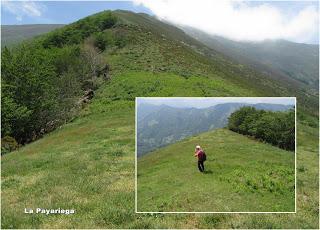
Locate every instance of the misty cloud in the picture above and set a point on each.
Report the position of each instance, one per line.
(239, 20)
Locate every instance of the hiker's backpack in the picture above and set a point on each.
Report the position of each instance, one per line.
(204, 156)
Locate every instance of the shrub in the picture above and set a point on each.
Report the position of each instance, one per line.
(8, 144)
(41, 86)
(276, 128)
(106, 20)
(78, 31)
(100, 42)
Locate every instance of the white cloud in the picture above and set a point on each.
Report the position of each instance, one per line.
(23, 8)
(238, 20)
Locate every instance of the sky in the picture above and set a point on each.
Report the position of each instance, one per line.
(202, 102)
(58, 12)
(296, 21)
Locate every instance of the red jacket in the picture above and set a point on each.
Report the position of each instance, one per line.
(200, 155)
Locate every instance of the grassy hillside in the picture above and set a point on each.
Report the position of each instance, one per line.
(241, 175)
(13, 34)
(88, 164)
(288, 60)
(157, 47)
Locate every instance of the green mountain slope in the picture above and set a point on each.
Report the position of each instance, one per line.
(13, 34)
(88, 164)
(288, 60)
(159, 47)
(241, 175)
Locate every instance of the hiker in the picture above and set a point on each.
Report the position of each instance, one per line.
(201, 157)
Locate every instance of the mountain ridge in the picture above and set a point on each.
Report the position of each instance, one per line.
(297, 61)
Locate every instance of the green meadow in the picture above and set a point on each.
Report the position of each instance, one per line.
(88, 165)
(241, 175)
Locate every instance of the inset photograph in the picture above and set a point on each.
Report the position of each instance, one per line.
(208, 155)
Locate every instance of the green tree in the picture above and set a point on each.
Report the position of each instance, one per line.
(100, 41)
(277, 128)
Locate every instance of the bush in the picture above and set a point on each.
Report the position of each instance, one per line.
(8, 144)
(100, 41)
(120, 41)
(106, 20)
(276, 128)
(40, 86)
(78, 31)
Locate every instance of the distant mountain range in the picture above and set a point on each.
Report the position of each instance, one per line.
(160, 125)
(13, 34)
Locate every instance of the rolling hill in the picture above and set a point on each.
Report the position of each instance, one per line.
(88, 163)
(242, 175)
(158, 126)
(14, 34)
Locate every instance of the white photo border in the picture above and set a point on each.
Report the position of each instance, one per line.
(197, 212)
